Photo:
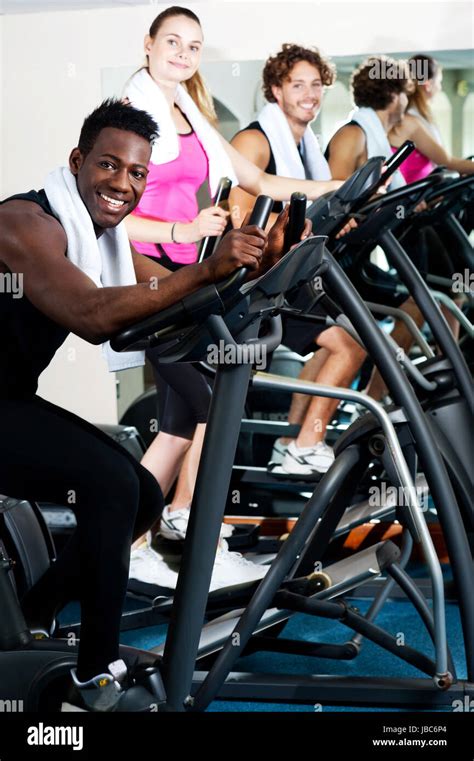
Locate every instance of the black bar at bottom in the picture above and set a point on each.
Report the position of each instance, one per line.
(294, 688)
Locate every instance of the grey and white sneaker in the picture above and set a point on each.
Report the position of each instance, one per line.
(278, 454)
(305, 462)
(174, 524)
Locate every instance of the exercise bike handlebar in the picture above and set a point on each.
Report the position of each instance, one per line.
(296, 221)
(208, 244)
(331, 212)
(417, 190)
(452, 183)
(209, 300)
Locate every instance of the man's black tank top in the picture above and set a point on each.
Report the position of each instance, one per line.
(271, 166)
(28, 338)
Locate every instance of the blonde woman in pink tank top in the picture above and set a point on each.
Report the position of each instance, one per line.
(168, 213)
(167, 224)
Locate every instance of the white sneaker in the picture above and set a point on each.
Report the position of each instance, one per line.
(306, 461)
(174, 524)
(148, 566)
(232, 569)
(278, 454)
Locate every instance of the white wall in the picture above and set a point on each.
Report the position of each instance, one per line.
(78, 380)
(51, 76)
(53, 61)
(468, 126)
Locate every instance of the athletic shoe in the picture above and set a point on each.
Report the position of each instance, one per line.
(306, 461)
(174, 524)
(232, 569)
(148, 566)
(105, 692)
(278, 454)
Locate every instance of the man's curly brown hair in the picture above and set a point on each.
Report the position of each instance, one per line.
(278, 67)
(377, 79)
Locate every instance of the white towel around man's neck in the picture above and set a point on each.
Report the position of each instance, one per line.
(143, 92)
(106, 260)
(287, 158)
(377, 140)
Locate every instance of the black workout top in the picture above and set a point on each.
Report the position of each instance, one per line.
(28, 338)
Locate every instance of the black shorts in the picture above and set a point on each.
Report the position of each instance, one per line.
(184, 396)
(300, 335)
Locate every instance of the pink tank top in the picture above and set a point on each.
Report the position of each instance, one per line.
(170, 196)
(416, 167)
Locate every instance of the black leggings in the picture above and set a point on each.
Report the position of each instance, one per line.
(50, 455)
(184, 396)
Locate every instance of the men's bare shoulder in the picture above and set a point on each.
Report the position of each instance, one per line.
(24, 225)
(351, 133)
(254, 145)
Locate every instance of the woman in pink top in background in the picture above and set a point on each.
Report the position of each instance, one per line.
(418, 125)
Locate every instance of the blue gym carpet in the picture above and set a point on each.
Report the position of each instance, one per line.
(397, 616)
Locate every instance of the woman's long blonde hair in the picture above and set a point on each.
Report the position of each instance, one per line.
(195, 86)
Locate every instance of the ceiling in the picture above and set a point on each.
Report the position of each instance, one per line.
(450, 59)
(39, 6)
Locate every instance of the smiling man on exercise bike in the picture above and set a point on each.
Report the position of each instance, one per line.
(67, 248)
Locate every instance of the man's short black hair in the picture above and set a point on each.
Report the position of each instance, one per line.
(115, 113)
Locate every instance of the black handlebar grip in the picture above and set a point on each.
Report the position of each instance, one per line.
(296, 220)
(259, 216)
(392, 164)
(208, 243)
(261, 211)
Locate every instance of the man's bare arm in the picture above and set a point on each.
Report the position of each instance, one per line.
(348, 151)
(254, 146)
(34, 245)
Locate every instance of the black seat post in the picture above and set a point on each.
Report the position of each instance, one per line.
(207, 510)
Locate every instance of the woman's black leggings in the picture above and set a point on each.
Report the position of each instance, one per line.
(184, 396)
(50, 455)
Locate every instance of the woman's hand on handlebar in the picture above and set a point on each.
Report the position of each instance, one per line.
(238, 248)
(210, 221)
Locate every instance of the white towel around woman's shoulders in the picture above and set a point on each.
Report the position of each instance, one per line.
(107, 260)
(143, 93)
